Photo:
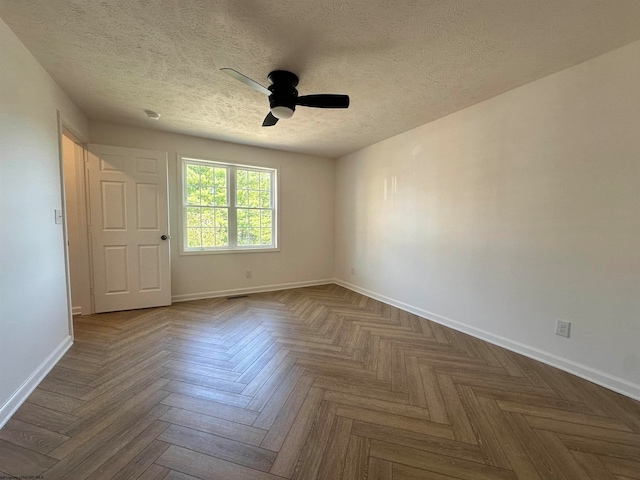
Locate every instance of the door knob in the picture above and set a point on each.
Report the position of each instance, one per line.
(163, 237)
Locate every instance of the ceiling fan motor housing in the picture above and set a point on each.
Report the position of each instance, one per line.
(283, 93)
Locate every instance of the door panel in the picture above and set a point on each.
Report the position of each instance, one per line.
(129, 214)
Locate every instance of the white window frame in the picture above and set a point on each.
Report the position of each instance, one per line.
(233, 227)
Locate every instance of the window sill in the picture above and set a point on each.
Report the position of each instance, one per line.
(228, 251)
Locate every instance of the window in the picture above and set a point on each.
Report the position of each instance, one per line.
(228, 207)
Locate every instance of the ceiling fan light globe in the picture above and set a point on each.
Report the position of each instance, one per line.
(282, 112)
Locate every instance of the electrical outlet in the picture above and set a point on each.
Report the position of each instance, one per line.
(563, 328)
(248, 274)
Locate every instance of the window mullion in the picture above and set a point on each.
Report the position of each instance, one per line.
(233, 215)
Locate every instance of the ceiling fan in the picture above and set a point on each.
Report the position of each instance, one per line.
(283, 96)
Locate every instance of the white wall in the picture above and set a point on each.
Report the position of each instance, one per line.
(34, 314)
(511, 214)
(306, 215)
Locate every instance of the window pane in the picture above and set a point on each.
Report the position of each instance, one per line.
(206, 176)
(266, 218)
(208, 237)
(193, 237)
(193, 174)
(193, 194)
(254, 218)
(243, 237)
(243, 218)
(208, 217)
(265, 236)
(254, 180)
(222, 238)
(254, 198)
(265, 181)
(254, 234)
(265, 199)
(220, 197)
(220, 178)
(193, 217)
(222, 218)
(241, 176)
(242, 198)
(206, 195)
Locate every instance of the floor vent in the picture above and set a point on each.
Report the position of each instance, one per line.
(237, 296)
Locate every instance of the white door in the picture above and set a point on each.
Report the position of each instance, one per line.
(129, 228)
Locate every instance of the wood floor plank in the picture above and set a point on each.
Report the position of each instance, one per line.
(375, 404)
(219, 447)
(206, 393)
(545, 464)
(462, 429)
(555, 414)
(208, 407)
(436, 463)
(336, 450)
(601, 447)
(30, 436)
(572, 428)
(129, 451)
(43, 417)
(356, 462)
(487, 440)
(216, 426)
(313, 450)
(63, 387)
(415, 388)
(20, 461)
(592, 464)
(287, 415)
(273, 406)
(206, 467)
(142, 462)
(268, 388)
(86, 426)
(513, 448)
(561, 454)
(620, 466)
(419, 441)
(285, 462)
(379, 469)
(154, 472)
(433, 395)
(405, 472)
(359, 390)
(204, 380)
(55, 401)
(92, 454)
(398, 421)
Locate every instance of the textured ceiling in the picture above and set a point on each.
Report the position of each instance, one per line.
(402, 62)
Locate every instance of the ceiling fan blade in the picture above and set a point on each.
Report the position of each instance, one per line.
(269, 120)
(324, 101)
(246, 80)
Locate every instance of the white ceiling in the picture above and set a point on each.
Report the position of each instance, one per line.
(402, 62)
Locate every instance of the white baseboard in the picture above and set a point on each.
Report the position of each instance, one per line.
(245, 291)
(30, 384)
(76, 310)
(601, 378)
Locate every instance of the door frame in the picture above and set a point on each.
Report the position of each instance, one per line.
(65, 129)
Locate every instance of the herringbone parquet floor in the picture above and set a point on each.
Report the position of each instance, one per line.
(312, 384)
